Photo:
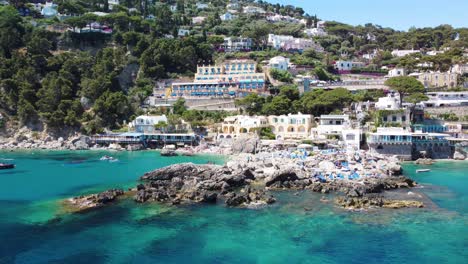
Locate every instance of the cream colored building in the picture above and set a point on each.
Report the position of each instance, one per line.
(236, 126)
(437, 79)
(291, 126)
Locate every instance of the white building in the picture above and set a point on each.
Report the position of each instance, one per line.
(402, 53)
(315, 32)
(198, 19)
(279, 62)
(434, 52)
(459, 68)
(112, 3)
(348, 65)
(441, 99)
(371, 55)
(339, 127)
(253, 10)
(330, 126)
(49, 10)
(390, 102)
(397, 72)
(232, 44)
(145, 124)
(276, 41)
(288, 43)
(321, 24)
(202, 5)
(279, 18)
(227, 16)
(233, 6)
(183, 32)
(291, 126)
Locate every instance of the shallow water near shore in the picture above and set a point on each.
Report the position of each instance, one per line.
(34, 229)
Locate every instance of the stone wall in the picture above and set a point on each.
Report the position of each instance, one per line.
(402, 151)
(413, 151)
(459, 111)
(433, 150)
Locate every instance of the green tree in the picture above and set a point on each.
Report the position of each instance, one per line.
(319, 102)
(161, 125)
(178, 108)
(252, 103)
(281, 75)
(11, 30)
(112, 108)
(258, 31)
(279, 105)
(405, 85)
(322, 74)
(416, 98)
(291, 92)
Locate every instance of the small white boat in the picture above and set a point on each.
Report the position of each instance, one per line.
(423, 170)
(109, 158)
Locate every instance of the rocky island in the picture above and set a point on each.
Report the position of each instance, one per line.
(251, 181)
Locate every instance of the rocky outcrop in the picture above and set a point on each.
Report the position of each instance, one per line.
(27, 139)
(168, 153)
(245, 145)
(246, 180)
(374, 201)
(87, 202)
(249, 198)
(423, 161)
(81, 142)
(459, 156)
(187, 182)
(135, 147)
(282, 175)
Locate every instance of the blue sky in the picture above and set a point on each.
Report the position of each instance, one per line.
(397, 14)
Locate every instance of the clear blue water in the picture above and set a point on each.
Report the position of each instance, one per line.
(33, 229)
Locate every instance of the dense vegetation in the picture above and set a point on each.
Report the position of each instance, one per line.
(66, 81)
(316, 102)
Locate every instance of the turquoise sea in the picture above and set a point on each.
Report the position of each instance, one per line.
(33, 228)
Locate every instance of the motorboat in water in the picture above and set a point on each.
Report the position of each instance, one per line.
(423, 170)
(107, 158)
(5, 166)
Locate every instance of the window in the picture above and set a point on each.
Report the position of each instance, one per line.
(394, 118)
(403, 118)
(385, 119)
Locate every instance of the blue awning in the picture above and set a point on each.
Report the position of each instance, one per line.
(232, 93)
